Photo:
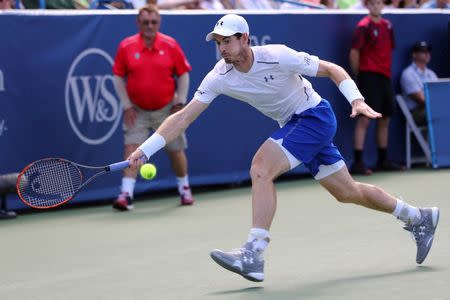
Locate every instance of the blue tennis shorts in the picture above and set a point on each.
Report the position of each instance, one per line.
(308, 139)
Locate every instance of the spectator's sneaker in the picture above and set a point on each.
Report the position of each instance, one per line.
(389, 166)
(186, 196)
(123, 202)
(244, 261)
(423, 231)
(360, 168)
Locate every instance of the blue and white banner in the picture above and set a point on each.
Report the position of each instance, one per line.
(57, 97)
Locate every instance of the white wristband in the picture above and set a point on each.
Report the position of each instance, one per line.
(349, 89)
(152, 145)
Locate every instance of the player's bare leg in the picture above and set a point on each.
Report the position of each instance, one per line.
(421, 222)
(342, 186)
(269, 162)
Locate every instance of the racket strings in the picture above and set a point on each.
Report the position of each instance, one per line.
(50, 182)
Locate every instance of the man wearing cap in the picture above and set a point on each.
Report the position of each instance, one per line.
(412, 80)
(271, 79)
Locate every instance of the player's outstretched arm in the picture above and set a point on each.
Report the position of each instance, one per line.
(348, 88)
(178, 122)
(172, 127)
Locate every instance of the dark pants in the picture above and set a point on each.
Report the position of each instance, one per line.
(419, 115)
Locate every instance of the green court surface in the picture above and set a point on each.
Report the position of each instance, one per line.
(320, 249)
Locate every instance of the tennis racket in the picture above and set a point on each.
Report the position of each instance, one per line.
(51, 182)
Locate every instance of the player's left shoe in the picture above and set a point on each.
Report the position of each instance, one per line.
(245, 261)
(186, 196)
(423, 231)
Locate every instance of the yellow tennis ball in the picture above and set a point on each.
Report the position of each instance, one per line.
(148, 171)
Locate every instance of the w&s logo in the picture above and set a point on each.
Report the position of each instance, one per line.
(92, 106)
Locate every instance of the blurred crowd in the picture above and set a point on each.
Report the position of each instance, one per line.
(216, 4)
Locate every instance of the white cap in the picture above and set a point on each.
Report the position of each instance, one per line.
(228, 25)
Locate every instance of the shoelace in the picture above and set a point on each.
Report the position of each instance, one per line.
(244, 252)
(241, 251)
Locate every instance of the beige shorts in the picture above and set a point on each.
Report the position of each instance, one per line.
(147, 120)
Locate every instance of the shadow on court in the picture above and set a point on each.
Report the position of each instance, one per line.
(248, 290)
(317, 289)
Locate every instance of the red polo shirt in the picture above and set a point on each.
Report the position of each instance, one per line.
(375, 42)
(150, 72)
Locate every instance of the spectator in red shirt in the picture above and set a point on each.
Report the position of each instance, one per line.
(151, 77)
(371, 60)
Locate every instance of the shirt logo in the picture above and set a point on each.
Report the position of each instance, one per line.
(267, 78)
(161, 52)
(375, 32)
(307, 60)
(201, 92)
(137, 55)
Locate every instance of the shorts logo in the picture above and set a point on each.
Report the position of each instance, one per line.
(137, 55)
(92, 107)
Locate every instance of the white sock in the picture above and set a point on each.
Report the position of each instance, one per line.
(182, 182)
(406, 212)
(128, 184)
(259, 237)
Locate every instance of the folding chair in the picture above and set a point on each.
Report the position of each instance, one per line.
(411, 127)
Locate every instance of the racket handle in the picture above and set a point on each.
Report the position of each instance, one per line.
(121, 165)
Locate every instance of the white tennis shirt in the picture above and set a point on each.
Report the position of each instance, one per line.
(274, 85)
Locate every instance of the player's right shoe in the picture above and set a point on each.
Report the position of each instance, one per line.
(245, 261)
(123, 202)
(423, 231)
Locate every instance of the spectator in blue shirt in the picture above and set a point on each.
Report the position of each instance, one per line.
(412, 80)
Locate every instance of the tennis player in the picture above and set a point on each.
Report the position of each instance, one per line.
(271, 78)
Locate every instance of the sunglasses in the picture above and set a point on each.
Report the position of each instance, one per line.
(148, 22)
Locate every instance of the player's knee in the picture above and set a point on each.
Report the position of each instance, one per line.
(258, 172)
